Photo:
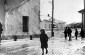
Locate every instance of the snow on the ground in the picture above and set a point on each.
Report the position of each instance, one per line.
(8, 46)
(61, 47)
(56, 46)
(59, 33)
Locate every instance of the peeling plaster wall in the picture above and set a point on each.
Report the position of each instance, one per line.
(13, 23)
(13, 3)
(13, 20)
(2, 13)
(2, 10)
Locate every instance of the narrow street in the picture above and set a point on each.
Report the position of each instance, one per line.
(23, 19)
(56, 46)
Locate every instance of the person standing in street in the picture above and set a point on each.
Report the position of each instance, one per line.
(69, 33)
(44, 41)
(65, 33)
(82, 33)
(0, 32)
(76, 33)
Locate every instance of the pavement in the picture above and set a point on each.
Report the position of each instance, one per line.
(56, 46)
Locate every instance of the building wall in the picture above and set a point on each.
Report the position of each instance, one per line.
(42, 25)
(61, 26)
(13, 19)
(13, 3)
(47, 25)
(2, 13)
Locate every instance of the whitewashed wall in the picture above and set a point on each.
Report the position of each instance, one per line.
(13, 19)
(2, 13)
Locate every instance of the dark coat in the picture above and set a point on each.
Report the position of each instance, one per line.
(82, 33)
(1, 29)
(65, 31)
(76, 33)
(44, 40)
(69, 31)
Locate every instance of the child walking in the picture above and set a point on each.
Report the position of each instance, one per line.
(76, 33)
(44, 41)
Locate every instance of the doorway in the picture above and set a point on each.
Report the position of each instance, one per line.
(25, 23)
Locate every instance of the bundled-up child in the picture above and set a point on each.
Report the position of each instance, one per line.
(44, 41)
(82, 33)
(76, 33)
(1, 29)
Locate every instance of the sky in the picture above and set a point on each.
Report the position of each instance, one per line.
(64, 10)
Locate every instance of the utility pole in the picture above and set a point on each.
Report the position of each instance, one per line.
(84, 4)
(52, 33)
(83, 17)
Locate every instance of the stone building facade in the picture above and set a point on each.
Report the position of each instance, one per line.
(22, 17)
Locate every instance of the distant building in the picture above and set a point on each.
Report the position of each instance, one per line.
(60, 25)
(46, 24)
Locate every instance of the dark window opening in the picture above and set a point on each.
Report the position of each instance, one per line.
(25, 23)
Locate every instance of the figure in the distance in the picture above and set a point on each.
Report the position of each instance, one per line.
(82, 33)
(76, 33)
(65, 33)
(0, 32)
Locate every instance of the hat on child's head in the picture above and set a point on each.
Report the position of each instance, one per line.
(42, 30)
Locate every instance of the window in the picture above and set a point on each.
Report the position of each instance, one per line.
(25, 23)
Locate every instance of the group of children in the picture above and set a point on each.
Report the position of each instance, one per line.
(68, 31)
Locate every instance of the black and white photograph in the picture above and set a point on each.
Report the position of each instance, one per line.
(42, 27)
